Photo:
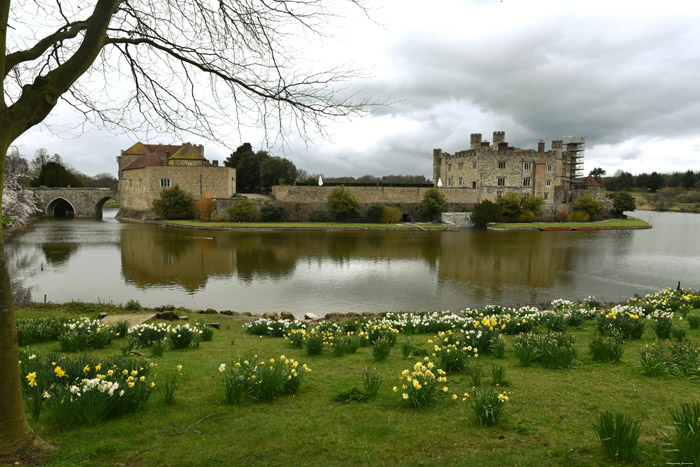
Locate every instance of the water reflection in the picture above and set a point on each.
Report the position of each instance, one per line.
(303, 271)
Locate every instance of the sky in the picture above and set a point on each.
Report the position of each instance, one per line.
(625, 75)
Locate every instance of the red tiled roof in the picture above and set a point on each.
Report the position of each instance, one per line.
(590, 181)
(158, 154)
(148, 160)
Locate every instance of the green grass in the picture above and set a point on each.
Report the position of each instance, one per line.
(307, 225)
(548, 420)
(612, 223)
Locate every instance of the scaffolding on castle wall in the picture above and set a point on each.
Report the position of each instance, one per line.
(575, 147)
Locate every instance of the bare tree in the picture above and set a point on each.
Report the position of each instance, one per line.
(188, 65)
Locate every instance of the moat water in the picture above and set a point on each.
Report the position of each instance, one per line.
(309, 271)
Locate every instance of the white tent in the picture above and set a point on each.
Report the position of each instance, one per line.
(439, 183)
(320, 181)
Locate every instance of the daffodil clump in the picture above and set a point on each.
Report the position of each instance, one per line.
(625, 321)
(83, 333)
(375, 331)
(671, 357)
(261, 380)
(296, 337)
(421, 386)
(487, 404)
(79, 390)
(36, 330)
(271, 327)
(147, 334)
(552, 350)
(484, 333)
(668, 300)
(184, 336)
(452, 350)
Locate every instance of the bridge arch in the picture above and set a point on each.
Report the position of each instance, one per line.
(73, 202)
(60, 207)
(100, 204)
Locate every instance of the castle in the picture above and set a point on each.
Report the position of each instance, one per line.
(146, 169)
(491, 170)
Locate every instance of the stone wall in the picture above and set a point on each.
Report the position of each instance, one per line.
(139, 187)
(370, 194)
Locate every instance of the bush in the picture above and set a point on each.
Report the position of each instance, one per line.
(271, 213)
(511, 205)
(242, 210)
(622, 201)
(343, 204)
(588, 204)
(434, 202)
(693, 321)
(132, 305)
(320, 216)
(486, 212)
(580, 216)
(391, 215)
(618, 435)
(375, 212)
(174, 203)
(561, 216)
(527, 216)
(204, 207)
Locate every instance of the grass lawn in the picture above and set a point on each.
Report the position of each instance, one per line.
(308, 225)
(611, 223)
(548, 420)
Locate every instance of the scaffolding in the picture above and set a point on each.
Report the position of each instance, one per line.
(574, 147)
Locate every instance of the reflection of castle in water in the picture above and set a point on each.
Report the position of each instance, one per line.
(517, 258)
(157, 256)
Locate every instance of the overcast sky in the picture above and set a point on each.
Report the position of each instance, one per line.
(623, 74)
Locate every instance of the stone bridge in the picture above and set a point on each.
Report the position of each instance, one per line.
(73, 202)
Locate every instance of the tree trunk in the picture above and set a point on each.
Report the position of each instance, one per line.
(15, 432)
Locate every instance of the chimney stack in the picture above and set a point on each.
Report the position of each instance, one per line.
(540, 149)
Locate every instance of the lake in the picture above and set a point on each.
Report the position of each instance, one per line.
(113, 261)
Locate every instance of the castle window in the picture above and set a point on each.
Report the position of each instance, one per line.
(473, 184)
(526, 196)
(527, 166)
(474, 165)
(564, 165)
(164, 182)
(549, 167)
(549, 183)
(546, 196)
(527, 181)
(499, 193)
(501, 181)
(460, 166)
(460, 181)
(130, 183)
(449, 167)
(501, 164)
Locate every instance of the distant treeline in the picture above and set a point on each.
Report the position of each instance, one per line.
(625, 181)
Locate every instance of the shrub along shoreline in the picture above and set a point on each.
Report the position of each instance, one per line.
(515, 386)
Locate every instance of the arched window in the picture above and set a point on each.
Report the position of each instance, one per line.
(473, 184)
